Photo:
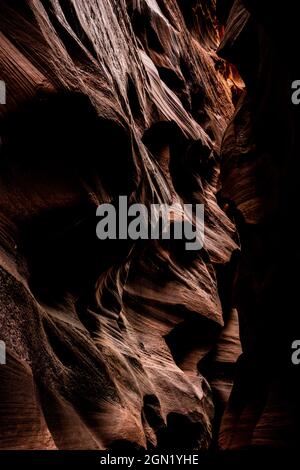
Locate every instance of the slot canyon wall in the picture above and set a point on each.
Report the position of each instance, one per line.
(119, 344)
(259, 173)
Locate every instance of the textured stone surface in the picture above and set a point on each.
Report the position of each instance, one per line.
(112, 344)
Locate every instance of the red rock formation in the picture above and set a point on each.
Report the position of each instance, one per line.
(105, 340)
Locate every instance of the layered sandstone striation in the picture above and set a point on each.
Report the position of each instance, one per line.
(113, 344)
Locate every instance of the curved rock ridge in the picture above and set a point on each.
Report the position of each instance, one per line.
(112, 344)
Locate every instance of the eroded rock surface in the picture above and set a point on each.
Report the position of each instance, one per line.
(260, 168)
(115, 343)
